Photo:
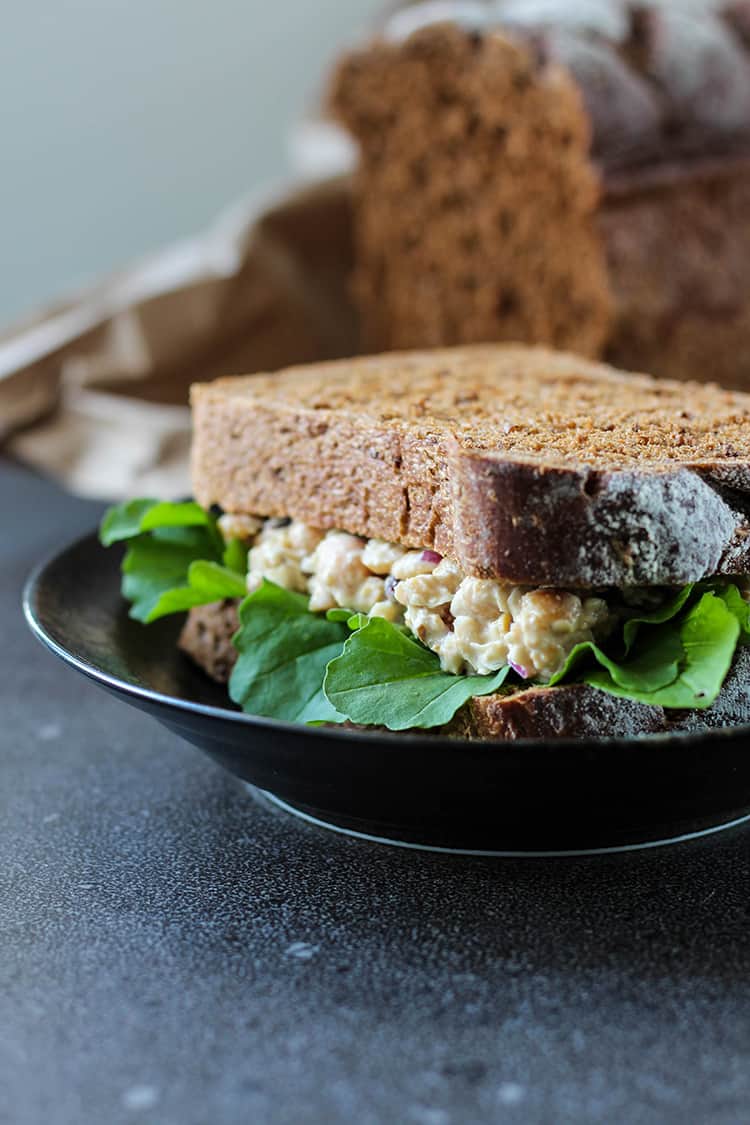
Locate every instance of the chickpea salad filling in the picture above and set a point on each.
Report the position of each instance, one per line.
(475, 625)
(335, 627)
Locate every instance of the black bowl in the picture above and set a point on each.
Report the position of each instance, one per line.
(524, 797)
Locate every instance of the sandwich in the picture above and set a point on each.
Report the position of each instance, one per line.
(495, 542)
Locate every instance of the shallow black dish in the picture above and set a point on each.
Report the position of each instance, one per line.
(529, 797)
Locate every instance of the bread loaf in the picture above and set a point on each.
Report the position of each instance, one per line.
(569, 174)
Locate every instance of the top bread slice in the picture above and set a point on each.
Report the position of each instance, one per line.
(517, 463)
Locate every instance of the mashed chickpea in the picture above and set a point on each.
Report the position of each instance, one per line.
(474, 625)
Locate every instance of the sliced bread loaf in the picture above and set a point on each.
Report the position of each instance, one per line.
(574, 174)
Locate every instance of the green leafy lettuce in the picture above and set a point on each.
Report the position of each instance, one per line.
(176, 557)
(284, 651)
(680, 662)
(329, 668)
(383, 677)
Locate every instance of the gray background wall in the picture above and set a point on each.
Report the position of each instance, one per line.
(127, 123)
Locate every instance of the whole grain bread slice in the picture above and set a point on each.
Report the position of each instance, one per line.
(573, 710)
(518, 463)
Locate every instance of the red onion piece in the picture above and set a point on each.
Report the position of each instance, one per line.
(431, 557)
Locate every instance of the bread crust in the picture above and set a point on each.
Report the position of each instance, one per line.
(647, 72)
(588, 528)
(207, 638)
(517, 463)
(571, 711)
(677, 242)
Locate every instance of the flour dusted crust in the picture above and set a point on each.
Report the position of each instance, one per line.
(517, 463)
(659, 78)
(570, 711)
(584, 527)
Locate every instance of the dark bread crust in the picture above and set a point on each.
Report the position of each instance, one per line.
(207, 638)
(587, 528)
(659, 80)
(517, 463)
(571, 711)
(677, 243)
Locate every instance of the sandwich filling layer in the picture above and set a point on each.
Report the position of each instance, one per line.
(332, 627)
(475, 625)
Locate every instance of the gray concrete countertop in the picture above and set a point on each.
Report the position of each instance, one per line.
(172, 953)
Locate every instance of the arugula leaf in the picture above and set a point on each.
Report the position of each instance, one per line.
(338, 614)
(708, 634)
(174, 557)
(385, 678)
(207, 582)
(284, 650)
(739, 608)
(235, 556)
(126, 521)
(159, 562)
(655, 664)
(353, 620)
(659, 616)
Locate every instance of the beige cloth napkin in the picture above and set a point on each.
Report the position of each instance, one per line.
(94, 391)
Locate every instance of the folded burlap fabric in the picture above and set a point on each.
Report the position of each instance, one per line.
(94, 391)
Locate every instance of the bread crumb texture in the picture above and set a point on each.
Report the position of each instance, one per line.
(474, 195)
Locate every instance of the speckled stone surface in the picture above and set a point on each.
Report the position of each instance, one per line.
(173, 954)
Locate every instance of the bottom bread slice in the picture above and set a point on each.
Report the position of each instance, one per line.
(570, 711)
